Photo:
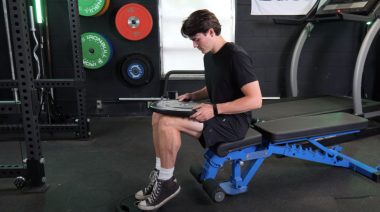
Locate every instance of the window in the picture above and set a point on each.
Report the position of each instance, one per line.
(177, 53)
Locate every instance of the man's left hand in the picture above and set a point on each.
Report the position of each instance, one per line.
(204, 112)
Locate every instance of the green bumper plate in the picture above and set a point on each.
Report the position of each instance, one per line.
(96, 49)
(90, 7)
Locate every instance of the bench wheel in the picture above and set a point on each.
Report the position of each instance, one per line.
(196, 171)
(19, 182)
(213, 190)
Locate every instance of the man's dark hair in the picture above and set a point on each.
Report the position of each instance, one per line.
(200, 21)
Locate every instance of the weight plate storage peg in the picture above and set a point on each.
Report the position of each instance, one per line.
(134, 22)
(90, 7)
(137, 70)
(96, 49)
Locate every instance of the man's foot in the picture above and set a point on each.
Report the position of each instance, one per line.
(163, 191)
(145, 192)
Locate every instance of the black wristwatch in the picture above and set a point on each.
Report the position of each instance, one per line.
(215, 108)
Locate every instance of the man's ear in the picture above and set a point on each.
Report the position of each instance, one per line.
(212, 32)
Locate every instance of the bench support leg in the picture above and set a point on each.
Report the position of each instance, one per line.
(329, 156)
(355, 165)
(211, 165)
(239, 180)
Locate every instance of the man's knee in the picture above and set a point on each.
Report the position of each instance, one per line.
(156, 118)
(163, 121)
(167, 122)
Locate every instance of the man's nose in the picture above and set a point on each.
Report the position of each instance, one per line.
(195, 45)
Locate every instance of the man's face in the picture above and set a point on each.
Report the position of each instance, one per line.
(202, 41)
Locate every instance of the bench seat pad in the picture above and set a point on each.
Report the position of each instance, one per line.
(252, 138)
(310, 126)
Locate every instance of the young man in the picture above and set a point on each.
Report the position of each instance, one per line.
(233, 90)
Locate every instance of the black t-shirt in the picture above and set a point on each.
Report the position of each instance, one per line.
(226, 72)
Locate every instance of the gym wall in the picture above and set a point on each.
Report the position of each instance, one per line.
(327, 60)
(105, 85)
(326, 65)
(371, 75)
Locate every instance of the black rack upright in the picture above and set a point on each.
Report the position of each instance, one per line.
(32, 172)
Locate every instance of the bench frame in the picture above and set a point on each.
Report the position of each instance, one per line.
(256, 154)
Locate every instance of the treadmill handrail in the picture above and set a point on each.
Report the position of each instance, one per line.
(296, 58)
(359, 67)
(360, 61)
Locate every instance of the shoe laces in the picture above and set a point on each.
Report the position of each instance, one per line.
(152, 180)
(153, 175)
(156, 191)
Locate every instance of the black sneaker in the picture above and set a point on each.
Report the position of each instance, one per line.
(145, 192)
(163, 191)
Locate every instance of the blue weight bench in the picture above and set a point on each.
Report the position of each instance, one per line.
(286, 137)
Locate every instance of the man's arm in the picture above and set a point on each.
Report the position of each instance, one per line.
(196, 95)
(251, 100)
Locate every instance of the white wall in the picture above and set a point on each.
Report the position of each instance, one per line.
(177, 53)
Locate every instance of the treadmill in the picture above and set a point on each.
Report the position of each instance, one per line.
(352, 10)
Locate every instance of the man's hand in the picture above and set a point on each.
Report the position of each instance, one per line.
(204, 112)
(185, 97)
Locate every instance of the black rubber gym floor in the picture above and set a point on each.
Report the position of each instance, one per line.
(93, 175)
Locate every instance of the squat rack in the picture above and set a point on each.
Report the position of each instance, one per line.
(31, 173)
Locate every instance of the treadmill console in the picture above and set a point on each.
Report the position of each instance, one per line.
(358, 7)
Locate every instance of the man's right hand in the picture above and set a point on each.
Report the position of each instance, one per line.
(185, 97)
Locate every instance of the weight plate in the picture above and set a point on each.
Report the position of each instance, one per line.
(90, 7)
(96, 49)
(128, 204)
(134, 22)
(175, 108)
(105, 8)
(136, 70)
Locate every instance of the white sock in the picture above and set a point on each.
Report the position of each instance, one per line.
(165, 174)
(158, 163)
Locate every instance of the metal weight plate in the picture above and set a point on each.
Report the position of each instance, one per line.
(136, 70)
(96, 49)
(90, 7)
(173, 107)
(134, 22)
(105, 8)
(128, 204)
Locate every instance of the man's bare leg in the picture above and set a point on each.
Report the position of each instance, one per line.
(167, 140)
(169, 136)
(155, 120)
